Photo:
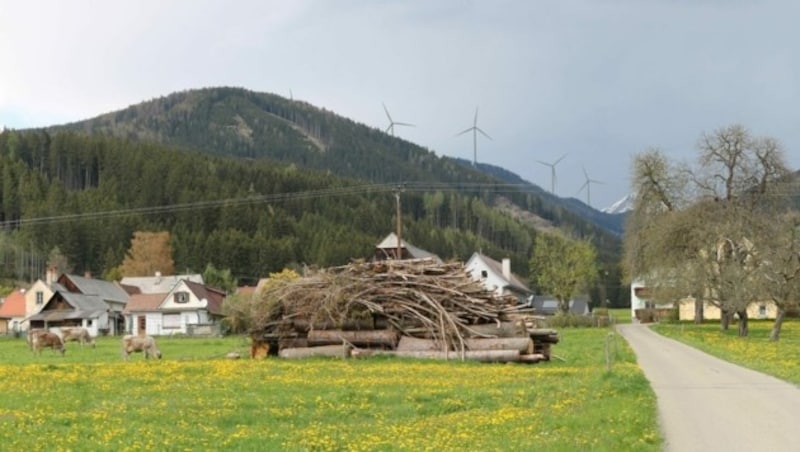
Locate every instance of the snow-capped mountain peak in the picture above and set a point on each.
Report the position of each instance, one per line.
(623, 205)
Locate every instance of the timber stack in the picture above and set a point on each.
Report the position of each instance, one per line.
(411, 308)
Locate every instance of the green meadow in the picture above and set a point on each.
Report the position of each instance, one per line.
(780, 359)
(591, 396)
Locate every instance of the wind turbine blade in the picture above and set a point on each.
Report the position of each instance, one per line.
(484, 133)
(544, 163)
(475, 124)
(465, 131)
(585, 174)
(387, 112)
(585, 184)
(389, 127)
(404, 124)
(559, 159)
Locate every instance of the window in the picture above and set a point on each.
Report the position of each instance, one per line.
(39, 297)
(484, 274)
(181, 297)
(89, 322)
(762, 311)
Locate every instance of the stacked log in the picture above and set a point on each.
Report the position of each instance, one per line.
(419, 309)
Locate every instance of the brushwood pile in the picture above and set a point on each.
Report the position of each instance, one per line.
(412, 308)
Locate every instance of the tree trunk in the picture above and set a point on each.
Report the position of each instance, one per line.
(563, 306)
(698, 310)
(724, 319)
(775, 334)
(744, 328)
(360, 338)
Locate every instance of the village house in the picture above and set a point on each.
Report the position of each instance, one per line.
(497, 277)
(686, 306)
(12, 312)
(387, 249)
(187, 308)
(94, 304)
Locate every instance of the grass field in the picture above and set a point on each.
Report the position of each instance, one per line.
(193, 399)
(780, 359)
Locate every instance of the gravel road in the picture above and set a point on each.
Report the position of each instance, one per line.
(706, 404)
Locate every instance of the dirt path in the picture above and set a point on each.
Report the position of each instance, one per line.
(706, 404)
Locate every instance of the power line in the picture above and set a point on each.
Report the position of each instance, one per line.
(416, 187)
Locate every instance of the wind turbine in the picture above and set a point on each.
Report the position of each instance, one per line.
(588, 186)
(392, 123)
(475, 129)
(553, 172)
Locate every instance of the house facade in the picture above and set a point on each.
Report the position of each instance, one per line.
(188, 308)
(35, 298)
(760, 310)
(12, 312)
(497, 277)
(94, 304)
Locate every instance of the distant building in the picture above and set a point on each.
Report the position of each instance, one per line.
(387, 249)
(497, 277)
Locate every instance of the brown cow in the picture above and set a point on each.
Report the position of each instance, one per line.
(136, 344)
(78, 334)
(47, 339)
(32, 333)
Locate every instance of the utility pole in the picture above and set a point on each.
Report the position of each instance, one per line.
(399, 253)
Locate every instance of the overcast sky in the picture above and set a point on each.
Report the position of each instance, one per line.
(599, 80)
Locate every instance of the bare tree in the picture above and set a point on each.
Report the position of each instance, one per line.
(698, 230)
(780, 269)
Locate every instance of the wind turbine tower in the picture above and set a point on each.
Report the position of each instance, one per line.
(553, 172)
(475, 129)
(588, 186)
(392, 123)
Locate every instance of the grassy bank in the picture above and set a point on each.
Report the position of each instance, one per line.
(780, 359)
(194, 399)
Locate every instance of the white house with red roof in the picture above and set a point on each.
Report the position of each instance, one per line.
(187, 308)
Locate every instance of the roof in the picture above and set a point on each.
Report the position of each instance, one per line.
(547, 305)
(104, 289)
(63, 314)
(159, 283)
(214, 297)
(390, 242)
(84, 302)
(144, 302)
(14, 305)
(497, 268)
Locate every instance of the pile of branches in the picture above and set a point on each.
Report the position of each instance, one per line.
(391, 299)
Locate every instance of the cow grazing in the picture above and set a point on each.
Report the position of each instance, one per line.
(78, 334)
(136, 344)
(33, 332)
(47, 339)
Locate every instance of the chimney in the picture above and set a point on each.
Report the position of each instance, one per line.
(507, 268)
(51, 275)
(87, 274)
(158, 277)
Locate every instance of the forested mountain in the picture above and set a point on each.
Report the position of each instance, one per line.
(283, 165)
(87, 195)
(611, 222)
(241, 123)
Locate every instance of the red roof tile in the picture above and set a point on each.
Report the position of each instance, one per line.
(14, 305)
(141, 302)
